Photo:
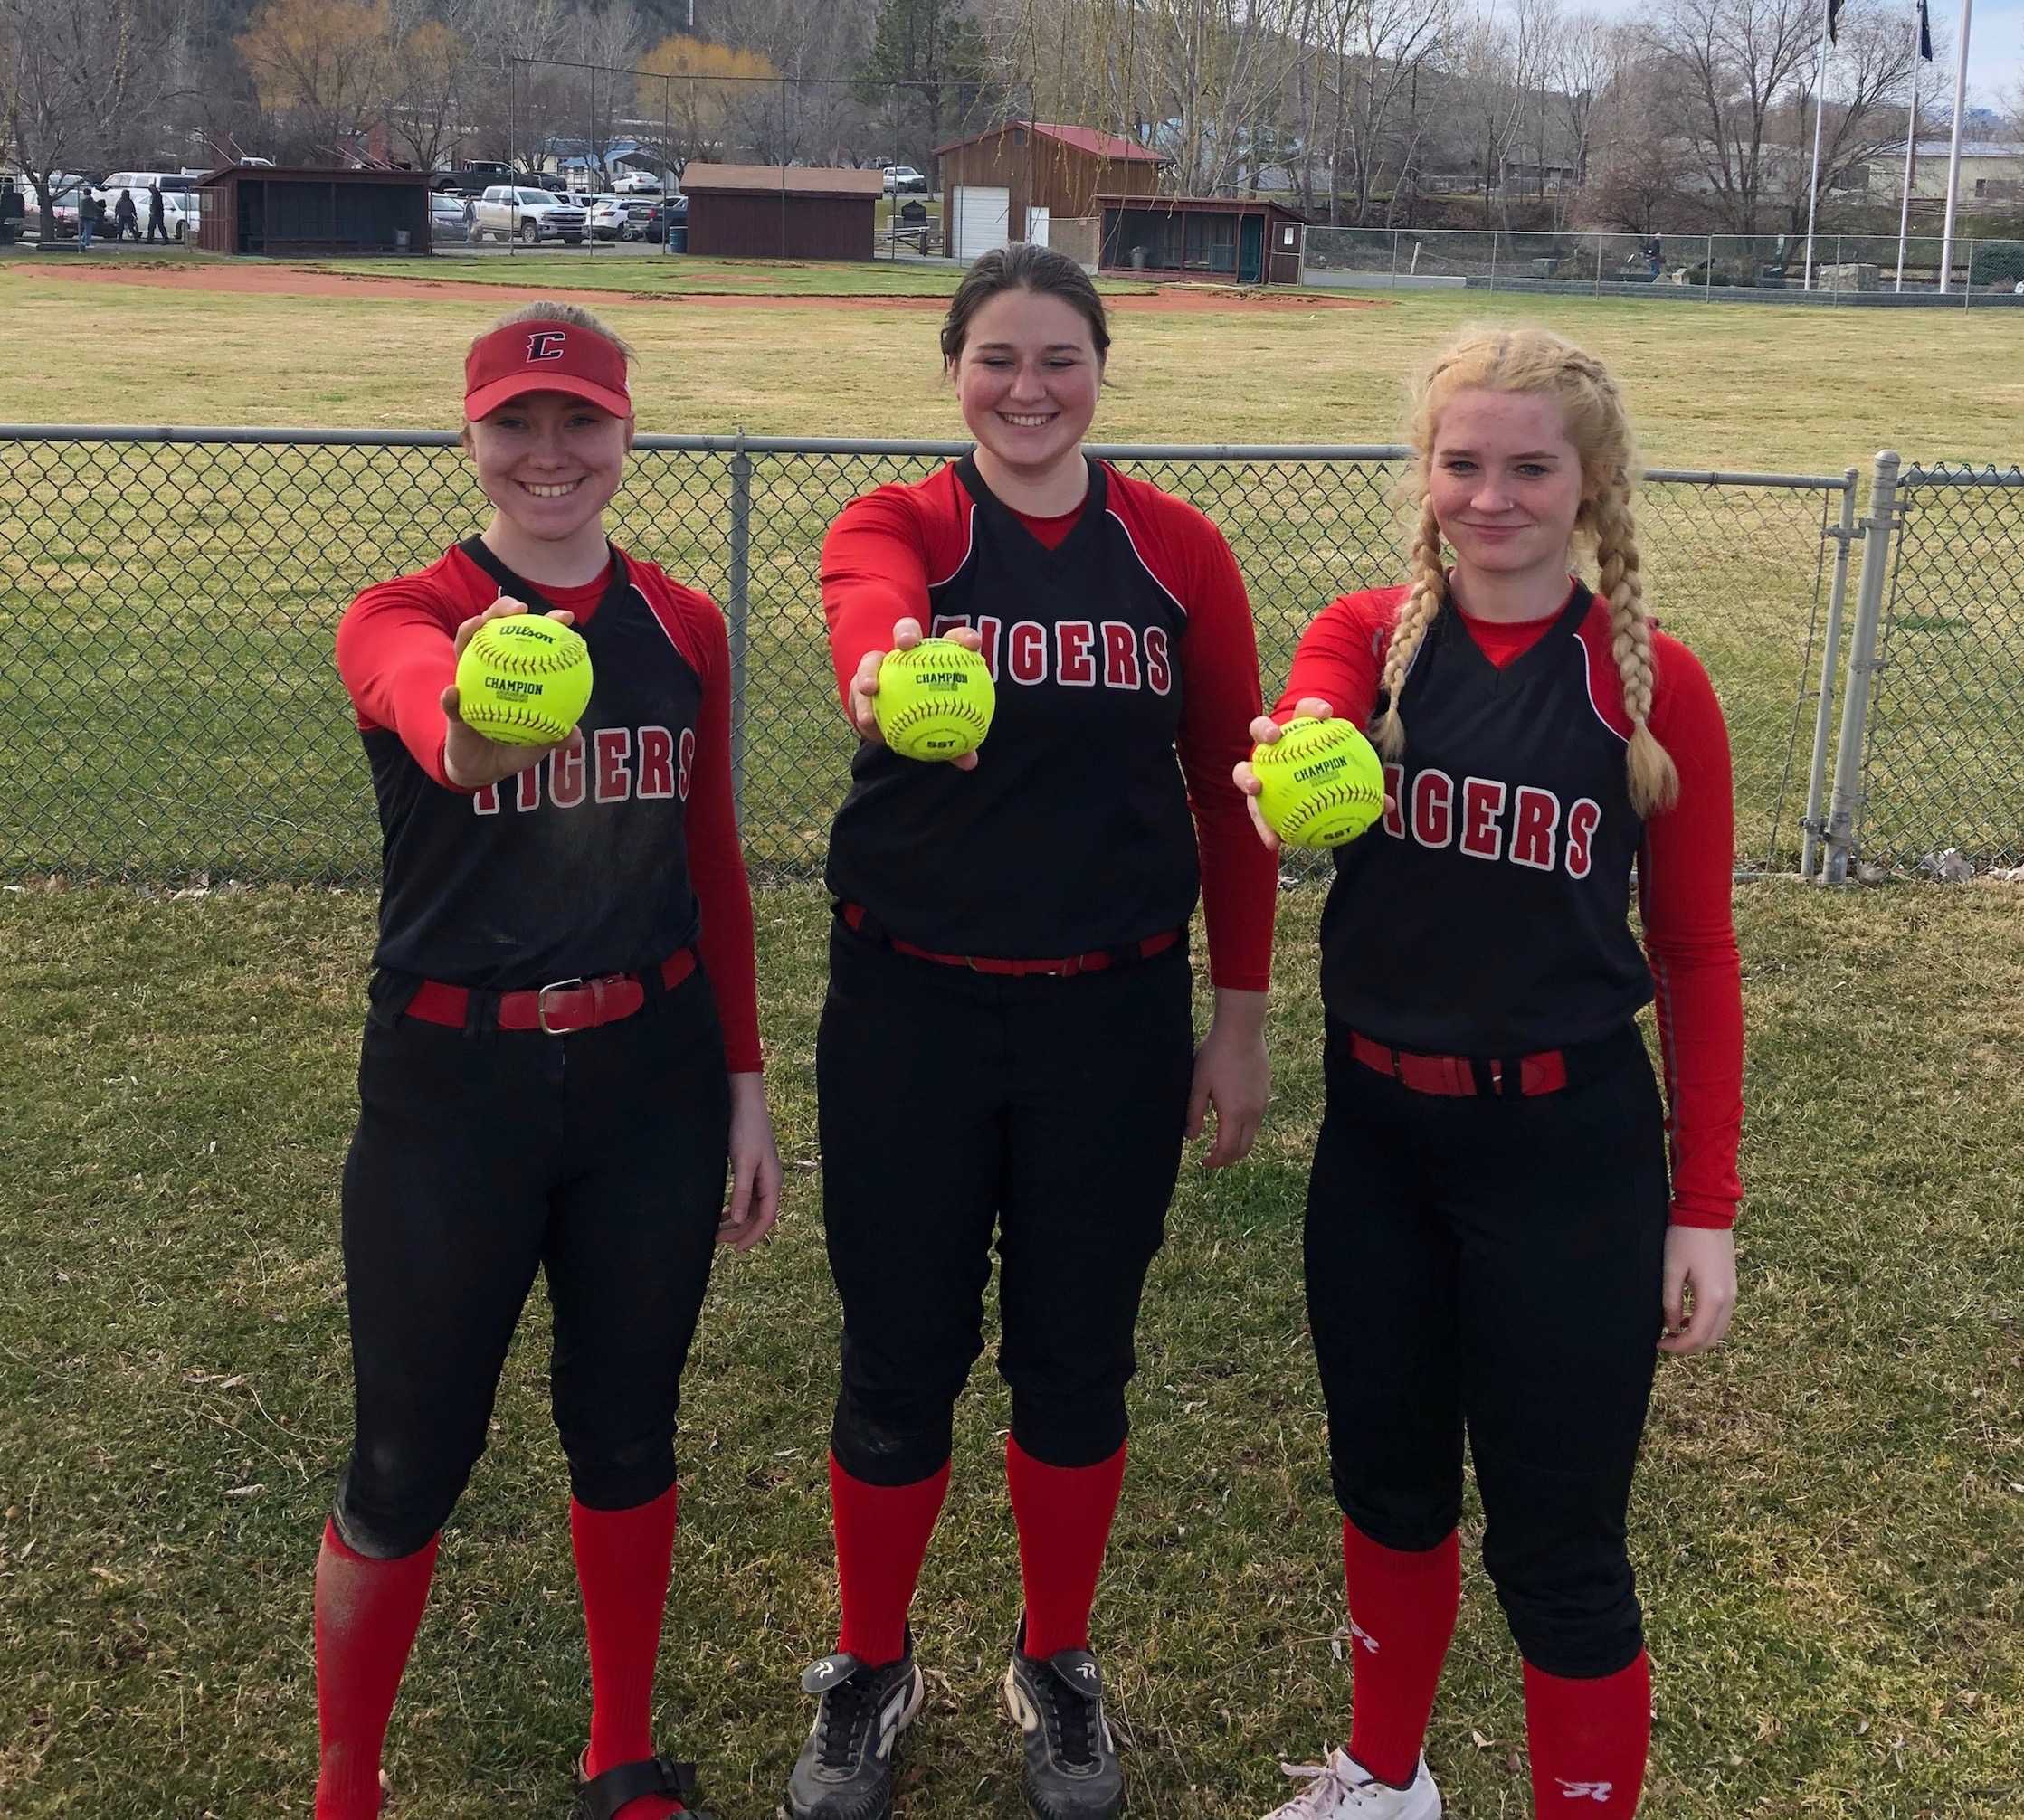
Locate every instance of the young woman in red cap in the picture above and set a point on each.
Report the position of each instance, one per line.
(1505, 1224)
(561, 1056)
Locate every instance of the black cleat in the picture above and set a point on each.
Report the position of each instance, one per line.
(1071, 1762)
(844, 1771)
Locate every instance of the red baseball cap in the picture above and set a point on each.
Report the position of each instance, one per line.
(544, 356)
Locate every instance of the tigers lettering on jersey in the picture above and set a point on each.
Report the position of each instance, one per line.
(617, 764)
(1488, 819)
(1073, 653)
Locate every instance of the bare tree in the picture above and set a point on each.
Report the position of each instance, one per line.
(520, 99)
(1585, 62)
(1729, 62)
(77, 73)
(1869, 80)
(322, 64)
(433, 77)
(1386, 46)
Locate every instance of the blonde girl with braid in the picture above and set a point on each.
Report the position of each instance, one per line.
(1505, 1223)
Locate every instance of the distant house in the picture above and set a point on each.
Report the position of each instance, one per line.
(1027, 167)
(576, 163)
(1992, 173)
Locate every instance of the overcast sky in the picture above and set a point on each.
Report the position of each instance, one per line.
(1995, 41)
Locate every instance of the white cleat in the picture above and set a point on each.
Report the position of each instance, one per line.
(1342, 1789)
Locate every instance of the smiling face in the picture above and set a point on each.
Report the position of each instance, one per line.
(1027, 379)
(550, 462)
(1506, 482)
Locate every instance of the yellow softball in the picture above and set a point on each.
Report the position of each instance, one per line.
(524, 680)
(1323, 782)
(934, 701)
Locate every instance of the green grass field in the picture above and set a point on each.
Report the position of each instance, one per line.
(1829, 1522)
(1711, 386)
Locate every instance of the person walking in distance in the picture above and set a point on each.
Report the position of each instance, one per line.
(1035, 896)
(561, 1055)
(1493, 1248)
(156, 224)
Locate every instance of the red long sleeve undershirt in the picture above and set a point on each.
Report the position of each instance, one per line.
(880, 555)
(1684, 869)
(396, 655)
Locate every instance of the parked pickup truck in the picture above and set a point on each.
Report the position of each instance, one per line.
(506, 212)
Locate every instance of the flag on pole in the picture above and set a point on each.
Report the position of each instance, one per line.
(1834, 13)
(1924, 34)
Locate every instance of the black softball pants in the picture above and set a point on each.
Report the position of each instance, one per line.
(482, 1156)
(1494, 1265)
(953, 1104)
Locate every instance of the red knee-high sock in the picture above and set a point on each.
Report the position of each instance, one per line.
(367, 1612)
(1063, 1514)
(881, 1540)
(1402, 1613)
(1589, 1742)
(622, 1559)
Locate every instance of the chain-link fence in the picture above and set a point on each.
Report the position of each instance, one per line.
(1944, 753)
(1839, 269)
(168, 706)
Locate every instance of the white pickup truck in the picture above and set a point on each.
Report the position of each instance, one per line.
(506, 212)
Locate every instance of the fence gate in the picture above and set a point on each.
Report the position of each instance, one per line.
(1944, 760)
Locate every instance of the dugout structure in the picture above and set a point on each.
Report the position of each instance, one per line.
(1050, 170)
(1229, 240)
(296, 210)
(782, 211)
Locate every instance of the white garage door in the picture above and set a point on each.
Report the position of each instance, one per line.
(981, 215)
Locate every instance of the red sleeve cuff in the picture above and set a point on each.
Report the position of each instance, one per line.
(1706, 1218)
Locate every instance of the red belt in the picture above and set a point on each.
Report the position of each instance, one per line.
(1544, 1073)
(560, 1008)
(856, 916)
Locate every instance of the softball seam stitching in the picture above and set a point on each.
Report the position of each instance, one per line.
(1331, 796)
(498, 714)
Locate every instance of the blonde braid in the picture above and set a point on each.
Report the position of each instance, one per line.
(1416, 614)
(1654, 779)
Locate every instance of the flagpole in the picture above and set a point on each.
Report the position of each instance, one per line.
(1819, 96)
(1954, 154)
(1911, 149)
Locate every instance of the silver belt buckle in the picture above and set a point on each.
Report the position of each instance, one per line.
(541, 1003)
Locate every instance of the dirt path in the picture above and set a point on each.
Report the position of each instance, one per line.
(263, 281)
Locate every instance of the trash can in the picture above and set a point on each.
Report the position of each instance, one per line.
(1138, 259)
(400, 239)
(678, 238)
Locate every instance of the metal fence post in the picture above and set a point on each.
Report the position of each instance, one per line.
(1862, 665)
(1708, 289)
(1845, 534)
(1493, 258)
(1968, 278)
(737, 609)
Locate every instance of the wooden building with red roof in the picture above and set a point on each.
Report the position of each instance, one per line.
(1044, 165)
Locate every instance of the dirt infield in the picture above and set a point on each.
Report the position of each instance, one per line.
(263, 281)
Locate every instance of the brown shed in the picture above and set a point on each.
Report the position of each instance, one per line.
(1044, 165)
(775, 212)
(263, 209)
(1237, 240)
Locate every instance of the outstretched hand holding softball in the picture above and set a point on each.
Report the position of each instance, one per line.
(1266, 731)
(864, 686)
(469, 760)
